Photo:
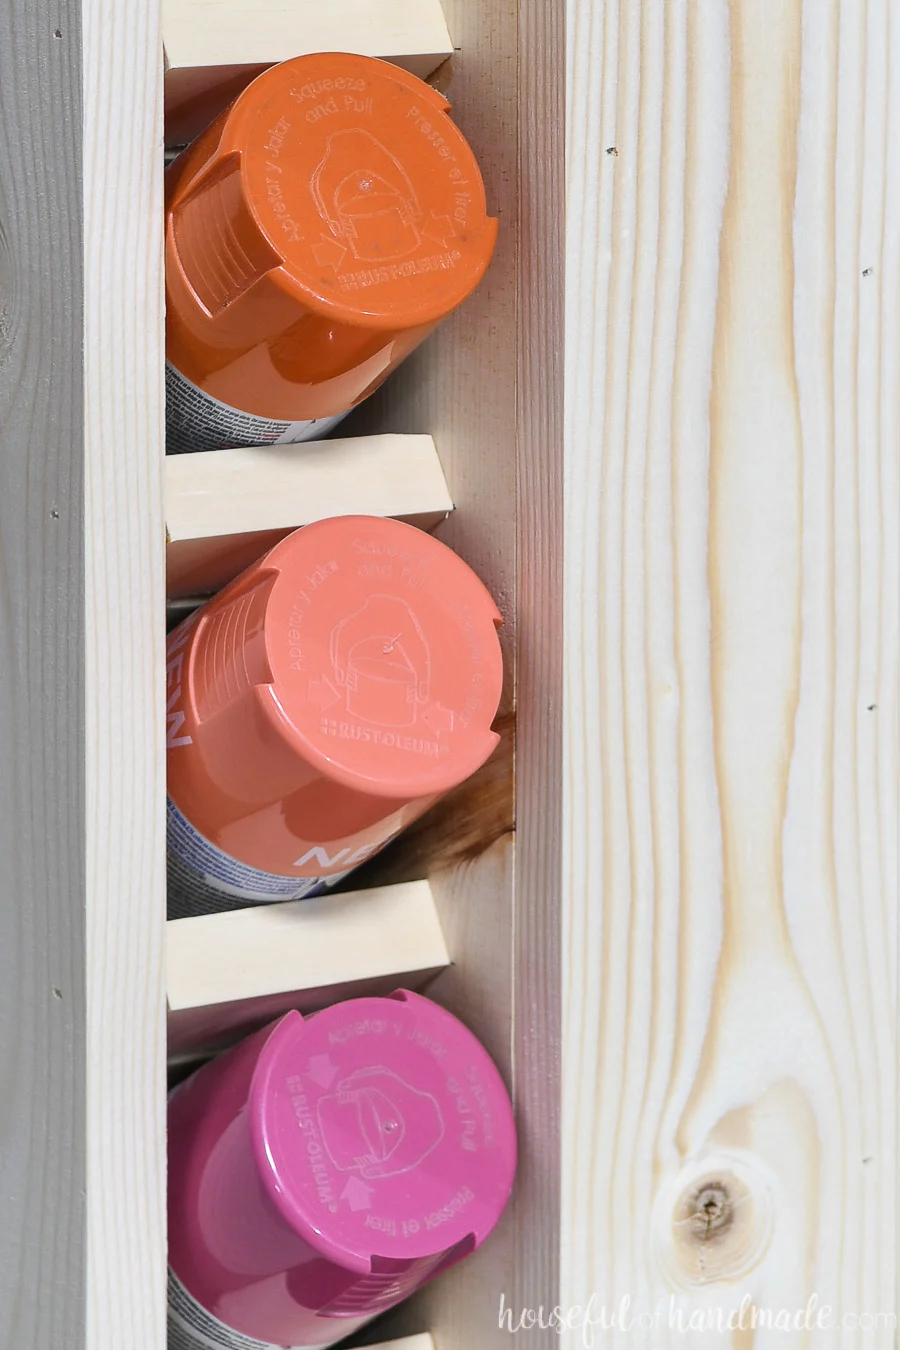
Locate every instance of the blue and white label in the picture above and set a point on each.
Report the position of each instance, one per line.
(204, 880)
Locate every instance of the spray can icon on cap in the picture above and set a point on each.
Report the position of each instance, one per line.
(316, 233)
(326, 1168)
(381, 657)
(373, 209)
(318, 705)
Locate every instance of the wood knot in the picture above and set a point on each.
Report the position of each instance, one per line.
(711, 1211)
(715, 1220)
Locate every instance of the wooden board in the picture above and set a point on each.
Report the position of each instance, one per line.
(226, 507)
(732, 618)
(124, 658)
(230, 973)
(43, 1018)
(215, 47)
(534, 1278)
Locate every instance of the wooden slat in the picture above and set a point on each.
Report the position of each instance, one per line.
(214, 47)
(226, 507)
(124, 652)
(540, 608)
(732, 615)
(43, 1033)
(231, 972)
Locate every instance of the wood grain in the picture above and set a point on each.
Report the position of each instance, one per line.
(124, 639)
(43, 1265)
(733, 262)
(540, 606)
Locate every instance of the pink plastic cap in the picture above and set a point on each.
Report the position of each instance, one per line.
(382, 1127)
(326, 1167)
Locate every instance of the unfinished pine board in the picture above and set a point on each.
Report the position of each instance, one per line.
(232, 972)
(732, 653)
(125, 668)
(224, 508)
(213, 48)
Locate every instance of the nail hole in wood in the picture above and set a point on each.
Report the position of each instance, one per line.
(867, 271)
(57, 33)
(611, 150)
(57, 993)
(54, 511)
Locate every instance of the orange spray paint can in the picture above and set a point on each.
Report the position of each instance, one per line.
(319, 704)
(316, 233)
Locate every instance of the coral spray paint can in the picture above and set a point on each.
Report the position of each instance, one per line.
(319, 704)
(316, 233)
(327, 1167)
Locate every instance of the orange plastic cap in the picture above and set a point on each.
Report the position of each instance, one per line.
(332, 692)
(316, 233)
(382, 647)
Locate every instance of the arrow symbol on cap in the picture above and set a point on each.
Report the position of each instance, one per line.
(438, 718)
(328, 253)
(357, 1194)
(322, 693)
(322, 1071)
(440, 228)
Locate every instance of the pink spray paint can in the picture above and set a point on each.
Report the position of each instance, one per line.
(327, 1167)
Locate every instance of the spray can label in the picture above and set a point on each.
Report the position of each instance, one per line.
(191, 1327)
(197, 421)
(204, 880)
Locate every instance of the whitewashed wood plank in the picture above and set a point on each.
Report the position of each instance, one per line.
(730, 931)
(123, 624)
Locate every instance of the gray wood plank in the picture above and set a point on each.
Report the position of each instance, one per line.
(42, 860)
